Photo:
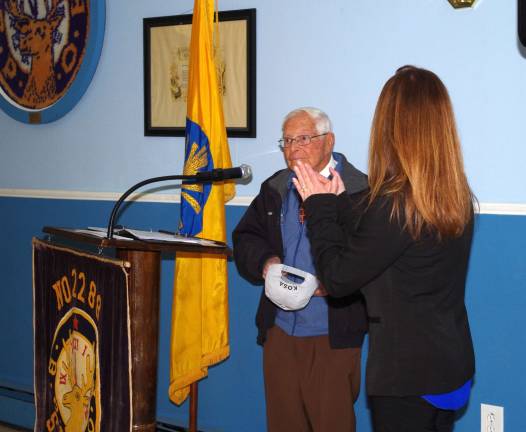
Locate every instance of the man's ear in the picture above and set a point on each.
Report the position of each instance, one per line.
(331, 140)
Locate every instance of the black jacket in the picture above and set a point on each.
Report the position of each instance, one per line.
(419, 337)
(257, 237)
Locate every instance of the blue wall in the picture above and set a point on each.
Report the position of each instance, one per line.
(231, 398)
(335, 55)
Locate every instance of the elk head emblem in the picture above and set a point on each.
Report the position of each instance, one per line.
(35, 38)
(78, 399)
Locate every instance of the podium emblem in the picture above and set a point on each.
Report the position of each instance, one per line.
(74, 374)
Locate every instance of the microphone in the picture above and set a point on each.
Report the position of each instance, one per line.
(219, 174)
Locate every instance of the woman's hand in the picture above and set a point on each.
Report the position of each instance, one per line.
(310, 182)
(337, 186)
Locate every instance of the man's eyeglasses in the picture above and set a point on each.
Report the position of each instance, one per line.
(301, 140)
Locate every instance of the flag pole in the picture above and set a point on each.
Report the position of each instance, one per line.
(193, 407)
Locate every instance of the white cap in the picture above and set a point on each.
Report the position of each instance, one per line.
(285, 293)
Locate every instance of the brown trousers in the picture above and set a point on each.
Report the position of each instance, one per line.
(309, 387)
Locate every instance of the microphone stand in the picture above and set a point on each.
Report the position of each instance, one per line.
(126, 194)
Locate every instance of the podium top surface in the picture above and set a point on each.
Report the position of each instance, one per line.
(175, 245)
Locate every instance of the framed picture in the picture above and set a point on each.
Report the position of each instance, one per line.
(166, 64)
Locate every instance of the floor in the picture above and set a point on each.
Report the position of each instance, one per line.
(6, 428)
(9, 428)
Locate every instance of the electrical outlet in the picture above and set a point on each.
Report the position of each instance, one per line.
(491, 418)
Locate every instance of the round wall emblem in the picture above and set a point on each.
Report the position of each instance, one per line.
(46, 47)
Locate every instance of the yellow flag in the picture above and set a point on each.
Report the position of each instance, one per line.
(200, 302)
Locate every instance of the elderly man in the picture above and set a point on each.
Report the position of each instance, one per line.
(311, 356)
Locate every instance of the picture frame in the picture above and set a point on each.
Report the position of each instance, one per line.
(166, 52)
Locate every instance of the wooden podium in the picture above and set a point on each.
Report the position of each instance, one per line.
(144, 286)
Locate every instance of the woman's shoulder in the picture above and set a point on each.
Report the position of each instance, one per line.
(361, 201)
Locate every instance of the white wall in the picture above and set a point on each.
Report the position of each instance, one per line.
(334, 54)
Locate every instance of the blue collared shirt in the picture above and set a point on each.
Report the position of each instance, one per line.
(313, 319)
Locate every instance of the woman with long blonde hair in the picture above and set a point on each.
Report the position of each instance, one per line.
(405, 245)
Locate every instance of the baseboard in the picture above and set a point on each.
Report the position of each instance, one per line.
(166, 427)
(17, 412)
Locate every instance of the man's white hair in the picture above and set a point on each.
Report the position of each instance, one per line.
(321, 119)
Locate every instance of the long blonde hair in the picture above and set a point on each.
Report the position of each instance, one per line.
(415, 155)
